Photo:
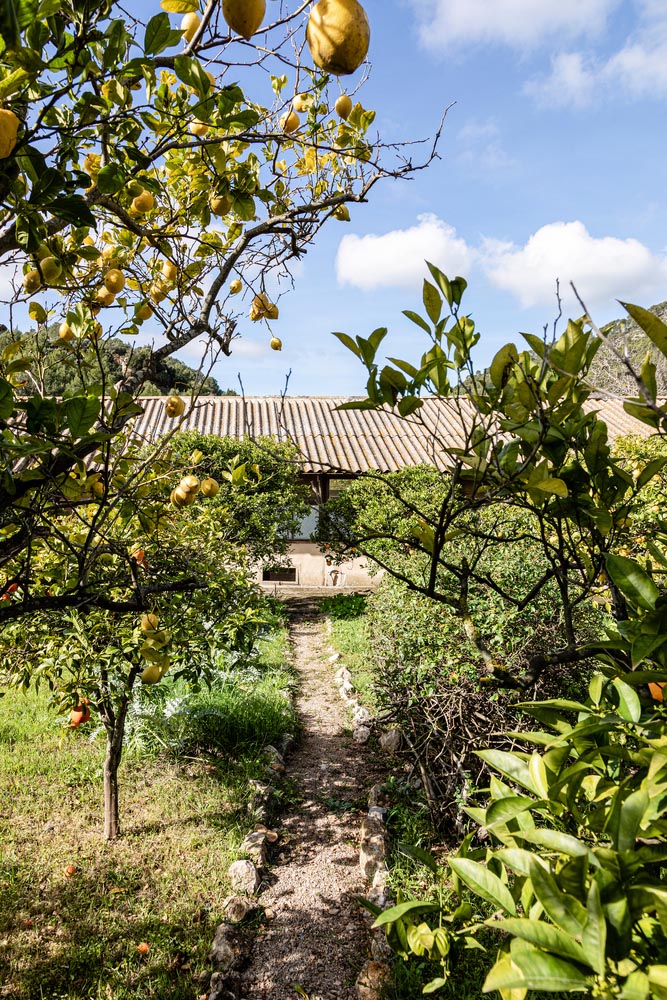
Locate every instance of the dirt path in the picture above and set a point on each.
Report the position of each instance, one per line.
(317, 936)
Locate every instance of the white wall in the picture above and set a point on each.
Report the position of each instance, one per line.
(312, 570)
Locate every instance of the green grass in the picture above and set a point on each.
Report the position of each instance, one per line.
(68, 937)
(349, 638)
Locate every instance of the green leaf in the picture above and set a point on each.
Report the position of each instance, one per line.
(594, 935)
(629, 706)
(550, 485)
(657, 977)
(650, 471)
(511, 765)
(653, 327)
(502, 364)
(419, 854)
(434, 984)
(432, 301)
(484, 883)
(554, 840)
(636, 986)
(158, 34)
(442, 281)
(6, 399)
(417, 319)
(72, 208)
(632, 581)
(535, 970)
(81, 413)
(563, 909)
(111, 178)
(38, 313)
(543, 935)
(631, 815)
(396, 912)
(508, 808)
(409, 405)
(643, 646)
(348, 342)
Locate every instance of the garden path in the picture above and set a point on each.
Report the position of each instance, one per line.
(316, 937)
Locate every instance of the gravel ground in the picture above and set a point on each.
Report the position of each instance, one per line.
(316, 938)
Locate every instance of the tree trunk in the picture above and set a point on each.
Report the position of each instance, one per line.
(111, 815)
(115, 727)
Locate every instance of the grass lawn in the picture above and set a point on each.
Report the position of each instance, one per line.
(73, 909)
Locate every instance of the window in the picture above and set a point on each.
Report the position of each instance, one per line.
(280, 574)
(308, 525)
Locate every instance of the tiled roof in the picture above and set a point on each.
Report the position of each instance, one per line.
(348, 441)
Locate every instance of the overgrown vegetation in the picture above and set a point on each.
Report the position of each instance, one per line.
(534, 566)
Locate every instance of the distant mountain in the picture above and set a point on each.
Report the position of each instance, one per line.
(62, 371)
(607, 371)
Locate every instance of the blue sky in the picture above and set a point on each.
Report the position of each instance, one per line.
(552, 166)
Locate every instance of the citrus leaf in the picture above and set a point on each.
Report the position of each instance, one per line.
(396, 912)
(632, 581)
(653, 327)
(535, 970)
(562, 908)
(543, 935)
(594, 936)
(484, 883)
(550, 485)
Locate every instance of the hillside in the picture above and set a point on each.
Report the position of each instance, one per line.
(62, 371)
(608, 373)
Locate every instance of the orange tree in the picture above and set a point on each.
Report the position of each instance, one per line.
(154, 175)
(198, 592)
(573, 827)
(531, 465)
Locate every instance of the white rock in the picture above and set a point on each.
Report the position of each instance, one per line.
(255, 845)
(372, 847)
(361, 734)
(391, 740)
(361, 715)
(334, 658)
(222, 952)
(237, 908)
(244, 876)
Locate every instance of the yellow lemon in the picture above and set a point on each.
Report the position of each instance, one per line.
(174, 406)
(9, 126)
(343, 106)
(244, 16)
(338, 35)
(114, 280)
(189, 25)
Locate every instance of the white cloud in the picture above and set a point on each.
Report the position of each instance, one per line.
(569, 84)
(397, 258)
(601, 268)
(445, 24)
(637, 70)
(480, 148)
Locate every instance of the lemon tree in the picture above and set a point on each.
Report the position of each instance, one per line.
(147, 183)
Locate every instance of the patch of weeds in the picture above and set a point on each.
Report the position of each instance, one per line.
(349, 637)
(339, 806)
(343, 606)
